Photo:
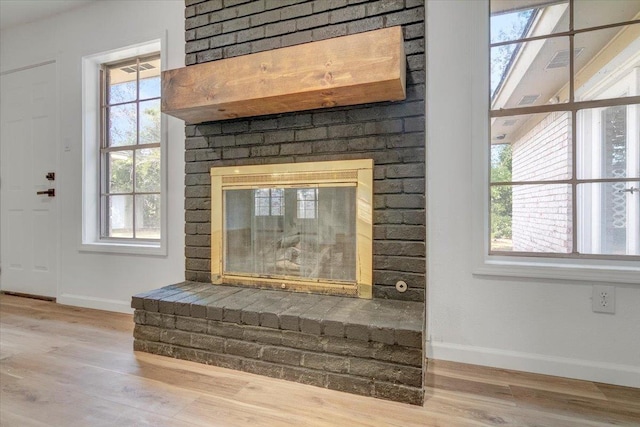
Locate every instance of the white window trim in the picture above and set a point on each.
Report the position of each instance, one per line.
(91, 240)
(538, 267)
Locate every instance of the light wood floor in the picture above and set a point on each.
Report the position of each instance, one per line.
(66, 366)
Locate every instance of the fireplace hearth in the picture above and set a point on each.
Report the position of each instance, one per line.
(367, 347)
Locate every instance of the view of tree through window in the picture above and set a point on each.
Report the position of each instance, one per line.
(131, 149)
(564, 117)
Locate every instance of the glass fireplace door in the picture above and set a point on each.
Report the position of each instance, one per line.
(302, 232)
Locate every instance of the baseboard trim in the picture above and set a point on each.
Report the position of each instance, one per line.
(610, 373)
(95, 303)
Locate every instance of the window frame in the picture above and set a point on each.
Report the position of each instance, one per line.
(105, 149)
(501, 264)
(92, 239)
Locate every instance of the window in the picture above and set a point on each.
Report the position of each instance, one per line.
(307, 202)
(130, 149)
(269, 201)
(564, 163)
(124, 167)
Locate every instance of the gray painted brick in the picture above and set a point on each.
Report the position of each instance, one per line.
(348, 14)
(227, 330)
(251, 8)
(196, 21)
(384, 6)
(208, 6)
(208, 342)
(329, 31)
(208, 31)
(262, 368)
(279, 136)
(282, 355)
(265, 18)
(312, 21)
(243, 348)
(299, 37)
(409, 16)
(325, 362)
(196, 46)
(311, 134)
(147, 333)
(409, 338)
(350, 384)
(295, 11)
(396, 392)
(363, 25)
(304, 376)
(321, 6)
(280, 28)
(235, 25)
(209, 55)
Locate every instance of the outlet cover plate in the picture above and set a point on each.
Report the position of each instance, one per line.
(603, 299)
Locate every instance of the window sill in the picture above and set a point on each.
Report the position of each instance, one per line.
(627, 272)
(133, 248)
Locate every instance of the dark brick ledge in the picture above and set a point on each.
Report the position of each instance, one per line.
(384, 321)
(367, 347)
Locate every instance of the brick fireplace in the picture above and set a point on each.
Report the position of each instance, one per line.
(371, 347)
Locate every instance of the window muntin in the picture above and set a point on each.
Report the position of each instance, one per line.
(572, 151)
(130, 149)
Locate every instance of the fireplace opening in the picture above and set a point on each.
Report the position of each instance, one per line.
(303, 226)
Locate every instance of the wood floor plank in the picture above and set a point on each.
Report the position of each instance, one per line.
(505, 377)
(68, 366)
(624, 395)
(590, 409)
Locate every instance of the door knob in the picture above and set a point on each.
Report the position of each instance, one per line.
(50, 192)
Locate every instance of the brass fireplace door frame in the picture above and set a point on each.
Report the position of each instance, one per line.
(330, 173)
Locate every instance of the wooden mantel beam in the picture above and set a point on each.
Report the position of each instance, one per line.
(350, 70)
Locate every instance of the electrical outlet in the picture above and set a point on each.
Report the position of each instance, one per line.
(603, 299)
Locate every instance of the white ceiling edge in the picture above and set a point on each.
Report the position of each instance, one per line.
(18, 12)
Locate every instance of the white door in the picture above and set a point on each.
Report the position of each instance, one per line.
(28, 140)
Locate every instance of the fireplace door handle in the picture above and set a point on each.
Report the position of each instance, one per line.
(50, 192)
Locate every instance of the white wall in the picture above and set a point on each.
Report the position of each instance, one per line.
(105, 281)
(537, 325)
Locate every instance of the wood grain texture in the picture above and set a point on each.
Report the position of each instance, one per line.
(349, 70)
(67, 366)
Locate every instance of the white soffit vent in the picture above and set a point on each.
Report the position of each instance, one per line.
(528, 99)
(132, 69)
(561, 58)
(509, 122)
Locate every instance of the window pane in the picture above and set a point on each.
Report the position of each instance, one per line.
(122, 83)
(120, 216)
(600, 12)
(122, 125)
(539, 147)
(150, 122)
(531, 218)
(148, 216)
(148, 170)
(609, 142)
(120, 167)
(607, 63)
(277, 201)
(150, 88)
(514, 19)
(532, 73)
(609, 218)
